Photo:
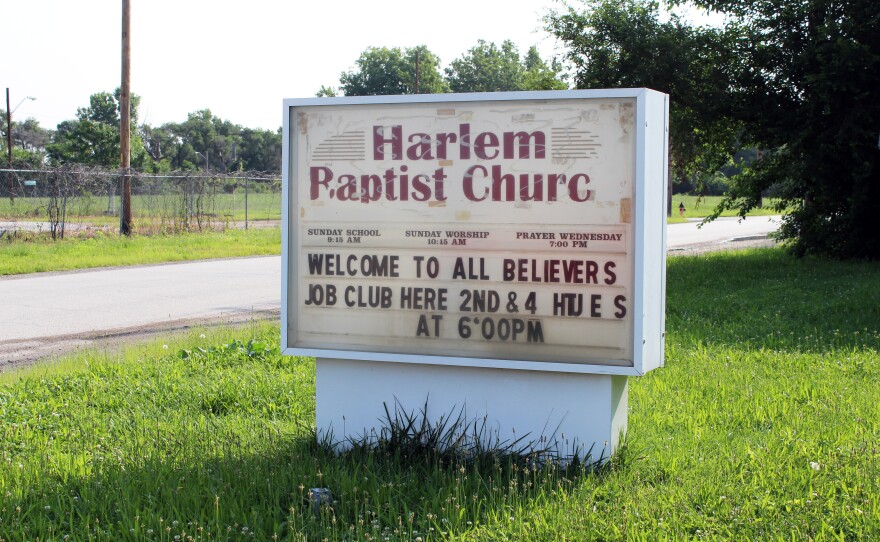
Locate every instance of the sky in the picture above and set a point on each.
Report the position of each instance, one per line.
(238, 59)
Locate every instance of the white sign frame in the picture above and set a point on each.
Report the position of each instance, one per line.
(648, 230)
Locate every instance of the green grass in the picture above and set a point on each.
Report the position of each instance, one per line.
(92, 209)
(42, 254)
(764, 425)
(699, 207)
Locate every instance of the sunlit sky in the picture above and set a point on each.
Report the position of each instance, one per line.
(238, 59)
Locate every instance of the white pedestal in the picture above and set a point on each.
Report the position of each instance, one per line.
(576, 411)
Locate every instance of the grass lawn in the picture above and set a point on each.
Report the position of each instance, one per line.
(42, 254)
(92, 209)
(699, 207)
(764, 425)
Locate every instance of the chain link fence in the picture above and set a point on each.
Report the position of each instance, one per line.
(62, 200)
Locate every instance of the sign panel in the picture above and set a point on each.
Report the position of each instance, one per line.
(463, 230)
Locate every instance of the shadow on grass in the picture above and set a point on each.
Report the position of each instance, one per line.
(206, 443)
(212, 483)
(767, 299)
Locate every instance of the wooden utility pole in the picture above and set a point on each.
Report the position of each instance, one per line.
(9, 146)
(8, 128)
(125, 128)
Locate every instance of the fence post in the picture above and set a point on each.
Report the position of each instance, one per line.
(190, 194)
(246, 183)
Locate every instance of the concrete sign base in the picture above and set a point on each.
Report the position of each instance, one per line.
(571, 413)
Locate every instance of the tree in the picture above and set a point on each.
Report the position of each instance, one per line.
(384, 71)
(162, 145)
(807, 92)
(422, 75)
(29, 141)
(30, 136)
(541, 76)
(206, 142)
(488, 68)
(93, 138)
(416, 70)
(260, 150)
(326, 92)
(623, 43)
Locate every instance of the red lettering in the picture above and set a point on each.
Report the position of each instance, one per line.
(468, 183)
(507, 180)
(371, 188)
(524, 139)
(573, 188)
(464, 148)
(380, 141)
(553, 182)
(318, 177)
(420, 148)
(537, 187)
(439, 176)
(442, 140)
(484, 141)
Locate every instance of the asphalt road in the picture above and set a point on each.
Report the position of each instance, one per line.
(721, 230)
(47, 313)
(50, 312)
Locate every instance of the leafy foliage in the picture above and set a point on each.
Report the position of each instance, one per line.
(488, 68)
(326, 92)
(202, 141)
(29, 141)
(205, 141)
(260, 150)
(484, 68)
(807, 92)
(796, 79)
(539, 75)
(93, 137)
(385, 71)
(625, 44)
